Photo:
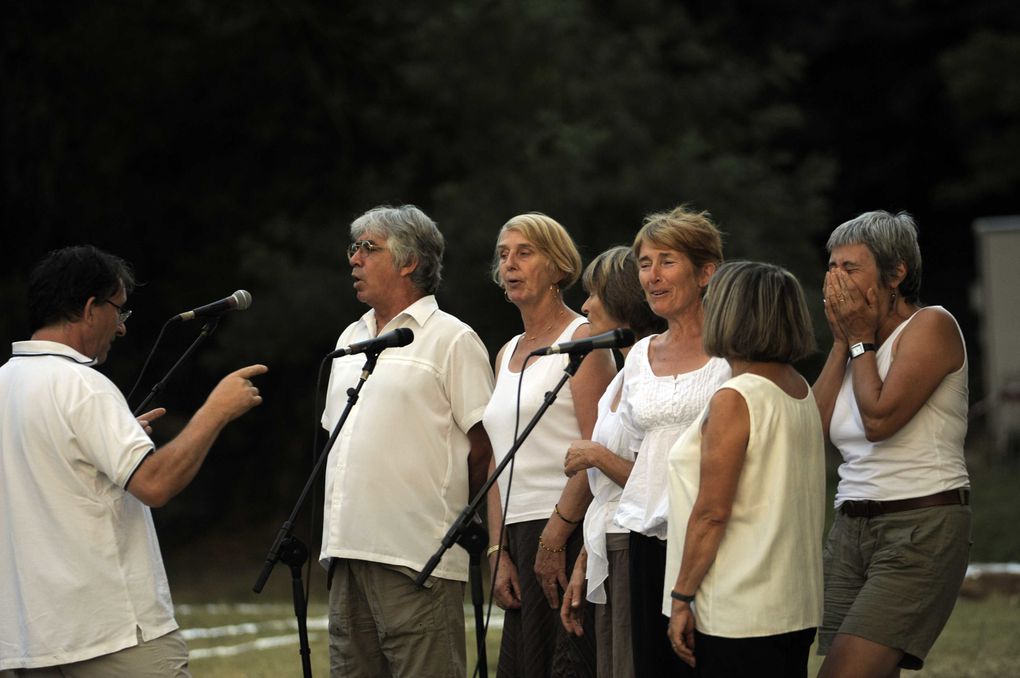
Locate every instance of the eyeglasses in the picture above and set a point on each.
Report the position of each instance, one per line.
(122, 315)
(366, 247)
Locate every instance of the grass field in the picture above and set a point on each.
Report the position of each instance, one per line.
(234, 633)
(260, 641)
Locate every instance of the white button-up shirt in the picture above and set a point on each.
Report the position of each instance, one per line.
(397, 475)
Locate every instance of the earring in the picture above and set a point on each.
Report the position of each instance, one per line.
(894, 296)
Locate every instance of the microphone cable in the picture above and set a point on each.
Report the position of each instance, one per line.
(506, 500)
(148, 359)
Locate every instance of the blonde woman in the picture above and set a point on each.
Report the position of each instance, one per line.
(535, 261)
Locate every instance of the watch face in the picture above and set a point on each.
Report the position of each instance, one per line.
(856, 350)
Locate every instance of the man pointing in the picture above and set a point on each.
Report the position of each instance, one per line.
(83, 591)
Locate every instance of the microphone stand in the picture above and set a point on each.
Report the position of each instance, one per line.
(207, 329)
(463, 524)
(290, 549)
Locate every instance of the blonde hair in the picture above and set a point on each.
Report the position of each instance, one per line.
(756, 311)
(551, 239)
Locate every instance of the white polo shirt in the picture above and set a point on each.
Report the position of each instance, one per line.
(397, 475)
(80, 567)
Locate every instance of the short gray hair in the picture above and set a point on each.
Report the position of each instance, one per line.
(411, 237)
(892, 239)
(756, 311)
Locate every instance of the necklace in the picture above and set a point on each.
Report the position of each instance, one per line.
(535, 336)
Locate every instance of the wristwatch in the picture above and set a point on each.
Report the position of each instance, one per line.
(683, 598)
(858, 349)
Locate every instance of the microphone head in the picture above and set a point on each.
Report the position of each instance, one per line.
(402, 336)
(242, 299)
(624, 337)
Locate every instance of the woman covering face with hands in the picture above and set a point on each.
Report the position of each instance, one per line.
(893, 400)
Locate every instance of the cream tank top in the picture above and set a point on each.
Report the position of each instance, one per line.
(538, 477)
(922, 458)
(766, 578)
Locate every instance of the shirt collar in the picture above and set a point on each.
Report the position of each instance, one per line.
(38, 348)
(420, 311)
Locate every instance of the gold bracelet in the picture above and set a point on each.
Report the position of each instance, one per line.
(565, 519)
(493, 549)
(542, 546)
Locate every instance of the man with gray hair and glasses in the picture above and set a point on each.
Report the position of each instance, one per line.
(411, 454)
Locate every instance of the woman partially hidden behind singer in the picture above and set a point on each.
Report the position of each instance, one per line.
(893, 399)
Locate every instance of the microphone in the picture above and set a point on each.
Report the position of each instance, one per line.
(238, 301)
(621, 337)
(401, 336)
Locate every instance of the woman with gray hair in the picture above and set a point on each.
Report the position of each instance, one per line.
(747, 489)
(893, 400)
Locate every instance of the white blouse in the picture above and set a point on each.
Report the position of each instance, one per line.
(655, 411)
(598, 520)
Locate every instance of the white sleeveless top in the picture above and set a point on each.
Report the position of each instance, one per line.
(767, 576)
(598, 520)
(655, 411)
(538, 477)
(922, 458)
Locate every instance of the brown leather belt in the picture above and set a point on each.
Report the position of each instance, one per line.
(870, 509)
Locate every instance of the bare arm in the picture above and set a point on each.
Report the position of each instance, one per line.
(506, 588)
(585, 454)
(925, 352)
(928, 350)
(587, 386)
(723, 451)
(479, 458)
(572, 610)
(551, 558)
(168, 470)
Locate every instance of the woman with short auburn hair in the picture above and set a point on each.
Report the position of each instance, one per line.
(668, 379)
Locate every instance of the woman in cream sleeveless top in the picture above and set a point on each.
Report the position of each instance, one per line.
(747, 489)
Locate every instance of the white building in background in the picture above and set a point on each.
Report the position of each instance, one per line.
(997, 302)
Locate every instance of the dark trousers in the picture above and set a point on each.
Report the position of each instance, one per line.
(784, 655)
(652, 654)
(534, 643)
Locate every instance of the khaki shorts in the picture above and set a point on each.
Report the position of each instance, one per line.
(163, 657)
(894, 579)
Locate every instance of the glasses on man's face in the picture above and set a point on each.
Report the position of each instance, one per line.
(122, 315)
(366, 247)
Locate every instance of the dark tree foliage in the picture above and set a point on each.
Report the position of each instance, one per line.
(229, 145)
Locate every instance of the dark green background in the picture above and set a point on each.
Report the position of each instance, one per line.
(226, 145)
